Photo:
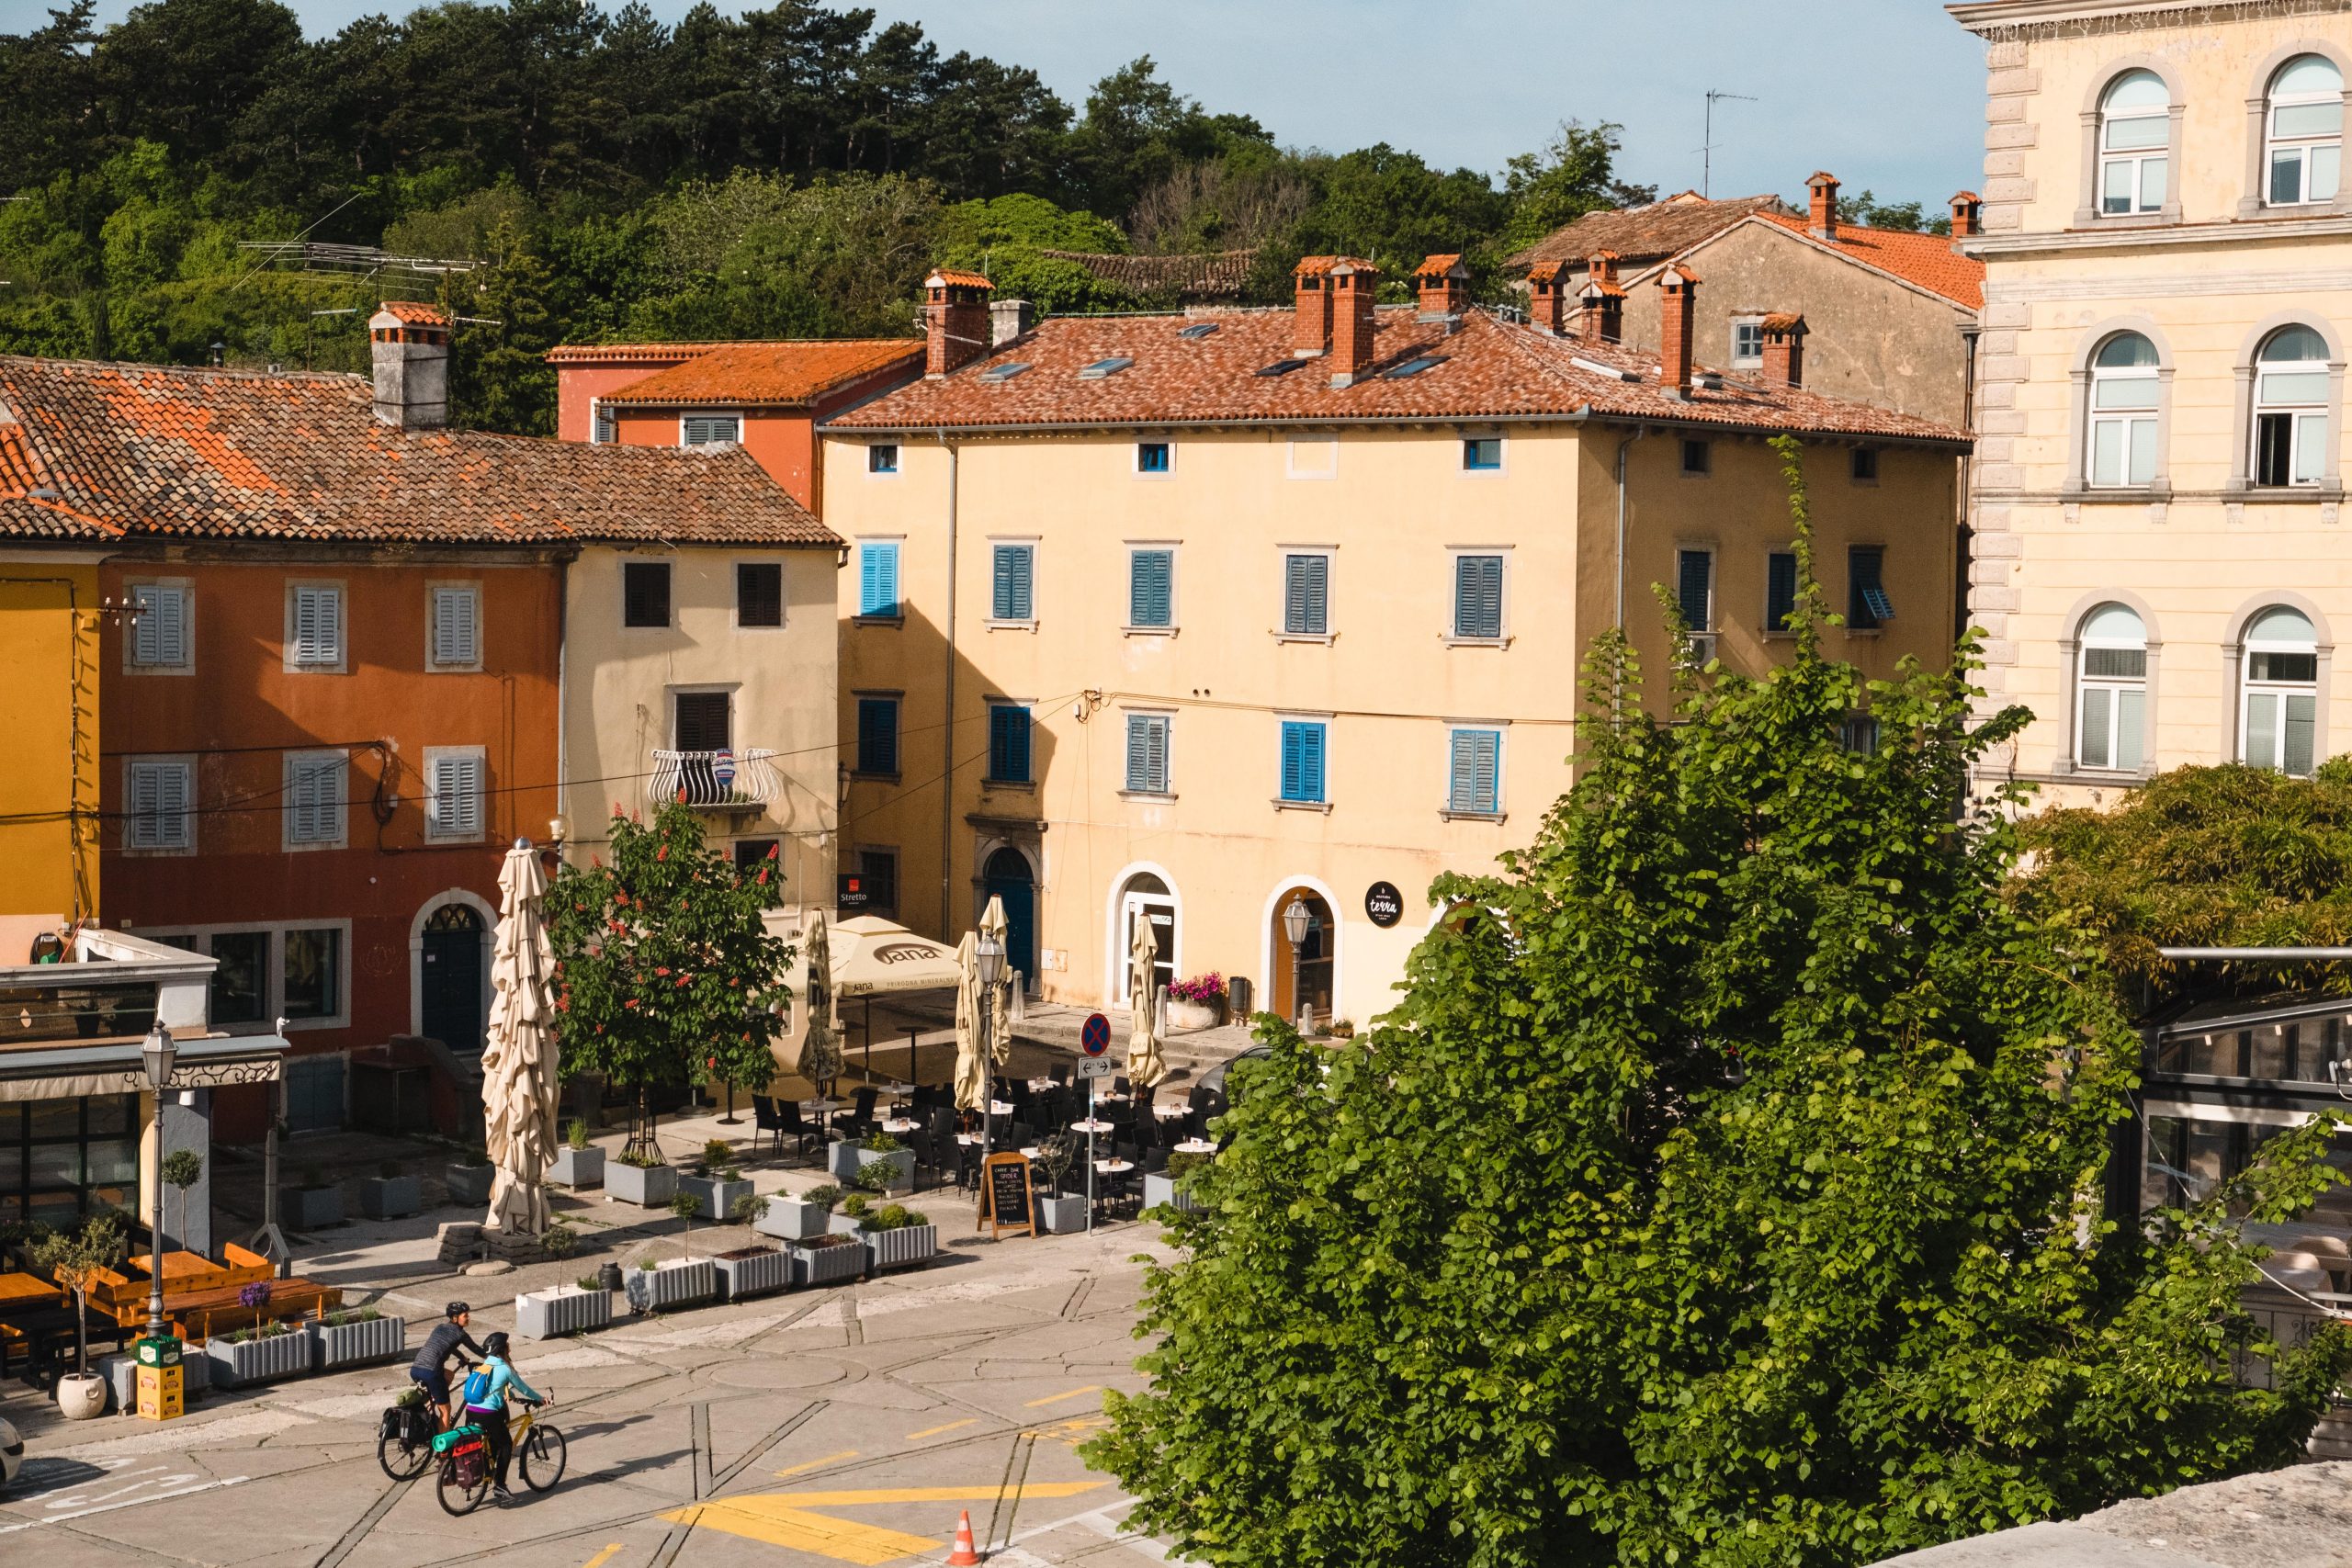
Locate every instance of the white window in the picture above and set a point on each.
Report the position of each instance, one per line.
(2123, 412)
(2135, 142)
(2279, 704)
(710, 430)
(315, 627)
(603, 428)
(1747, 343)
(315, 789)
(456, 617)
(2111, 699)
(159, 630)
(2291, 408)
(456, 783)
(2304, 132)
(159, 797)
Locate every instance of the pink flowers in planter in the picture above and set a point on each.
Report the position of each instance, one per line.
(1206, 990)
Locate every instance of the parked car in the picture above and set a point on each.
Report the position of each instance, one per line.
(1209, 1097)
(12, 1454)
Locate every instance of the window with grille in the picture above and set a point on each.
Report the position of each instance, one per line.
(758, 593)
(457, 628)
(877, 578)
(159, 627)
(645, 593)
(158, 810)
(1746, 345)
(878, 735)
(1473, 772)
(1867, 604)
(315, 798)
(1151, 589)
(1147, 753)
(1007, 743)
(1013, 568)
(712, 430)
(879, 870)
(455, 789)
(1301, 761)
(316, 634)
(1479, 596)
(1779, 589)
(1306, 595)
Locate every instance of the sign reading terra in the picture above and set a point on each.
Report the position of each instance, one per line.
(1382, 905)
(1094, 1034)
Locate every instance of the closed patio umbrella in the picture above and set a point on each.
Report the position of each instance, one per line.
(1000, 998)
(820, 1050)
(518, 1058)
(1145, 1067)
(971, 1072)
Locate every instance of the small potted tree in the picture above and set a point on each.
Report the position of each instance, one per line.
(579, 1164)
(1168, 1190)
(76, 1259)
(675, 1281)
(315, 1203)
(1196, 1003)
(181, 1170)
(755, 1269)
(719, 1184)
(1058, 1214)
(789, 1218)
(850, 1160)
(390, 1193)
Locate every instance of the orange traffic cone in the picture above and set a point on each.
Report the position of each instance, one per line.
(963, 1556)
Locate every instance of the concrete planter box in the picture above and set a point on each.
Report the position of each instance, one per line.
(718, 1197)
(469, 1183)
(1062, 1216)
(390, 1197)
(827, 1265)
(765, 1271)
(566, 1309)
(1159, 1190)
(358, 1344)
(651, 1186)
(680, 1281)
(237, 1363)
(788, 1219)
(848, 1159)
(842, 1225)
(310, 1208)
(121, 1373)
(906, 1248)
(578, 1168)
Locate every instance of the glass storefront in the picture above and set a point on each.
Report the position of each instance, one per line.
(62, 1159)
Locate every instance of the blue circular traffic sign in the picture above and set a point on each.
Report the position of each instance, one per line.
(1094, 1037)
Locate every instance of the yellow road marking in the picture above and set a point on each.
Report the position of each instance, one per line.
(1058, 1398)
(812, 1464)
(770, 1520)
(935, 1431)
(603, 1557)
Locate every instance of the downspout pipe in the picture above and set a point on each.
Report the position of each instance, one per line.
(947, 730)
(1622, 448)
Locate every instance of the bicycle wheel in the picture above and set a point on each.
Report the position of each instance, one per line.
(401, 1459)
(541, 1455)
(463, 1486)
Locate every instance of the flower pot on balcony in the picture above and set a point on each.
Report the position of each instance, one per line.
(359, 1343)
(577, 1168)
(672, 1283)
(390, 1197)
(788, 1219)
(310, 1208)
(238, 1362)
(826, 1260)
(469, 1183)
(718, 1197)
(651, 1186)
(566, 1309)
(753, 1271)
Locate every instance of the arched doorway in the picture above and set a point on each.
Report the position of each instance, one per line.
(1313, 960)
(453, 956)
(1007, 876)
(1145, 897)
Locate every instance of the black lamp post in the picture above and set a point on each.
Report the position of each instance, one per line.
(156, 1052)
(1295, 922)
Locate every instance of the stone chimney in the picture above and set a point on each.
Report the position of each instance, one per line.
(408, 345)
(1008, 319)
(956, 320)
(1604, 300)
(1678, 305)
(1547, 297)
(1783, 350)
(1442, 284)
(1823, 220)
(1312, 334)
(1967, 216)
(1352, 283)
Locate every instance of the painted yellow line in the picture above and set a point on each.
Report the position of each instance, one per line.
(1058, 1398)
(812, 1464)
(925, 1495)
(935, 1431)
(769, 1519)
(603, 1557)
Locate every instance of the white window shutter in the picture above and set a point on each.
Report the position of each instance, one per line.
(470, 792)
(318, 626)
(458, 784)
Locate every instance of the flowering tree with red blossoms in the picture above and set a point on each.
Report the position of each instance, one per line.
(663, 965)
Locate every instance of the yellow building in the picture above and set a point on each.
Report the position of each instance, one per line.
(2159, 552)
(1180, 617)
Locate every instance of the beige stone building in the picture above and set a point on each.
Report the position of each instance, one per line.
(1182, 617)
(2160, 556)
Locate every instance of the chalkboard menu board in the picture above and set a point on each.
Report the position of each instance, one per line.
(1006, 1192)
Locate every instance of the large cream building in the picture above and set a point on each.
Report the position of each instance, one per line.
(2160, 556)
(1182, 617)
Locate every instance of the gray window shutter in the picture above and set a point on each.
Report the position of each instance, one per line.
(1479, 596)
(146, 826)
(1695, 589)
(458, 796)
(1138, 752)
(316, 800)
(318, 626)
(1156, 732)
(172, 806)
(1306, 595)
(1464, 764)
(1149, 600)
(159, 635)
(454, 627)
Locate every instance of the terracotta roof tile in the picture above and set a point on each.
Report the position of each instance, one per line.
(415, 312)
(1927, 260)
(953, 278)
(1438, 266)
(1486, 369)
(1216, 275)
(158, 452)
(628, 353)
(1643, 234)
(771, 375)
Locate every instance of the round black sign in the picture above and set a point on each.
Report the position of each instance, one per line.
(1383, 904)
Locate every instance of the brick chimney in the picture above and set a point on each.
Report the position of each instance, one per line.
(1678, 304)
(409, 346)
(1967, 216)
(1008, 319)
(1312, 333)
(1783, 350)
(1352, 283)
(1442, 284)
(1547, 297)
(1604, 300)
(1823, 220)
(956, 320)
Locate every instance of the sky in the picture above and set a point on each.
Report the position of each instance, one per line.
(1887, 95)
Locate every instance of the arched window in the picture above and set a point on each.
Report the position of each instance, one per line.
(2134, 137)
(2291, 408)
(2304, 132)
(2123, 412)
(2278, 700)
(2111, 699)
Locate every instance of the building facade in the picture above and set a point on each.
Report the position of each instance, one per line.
(1183, 617)
(2158, 492)
(50, 611)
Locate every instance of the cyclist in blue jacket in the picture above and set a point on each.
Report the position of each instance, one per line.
(486, 1389)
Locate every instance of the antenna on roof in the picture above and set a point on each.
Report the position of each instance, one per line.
(1707, 149)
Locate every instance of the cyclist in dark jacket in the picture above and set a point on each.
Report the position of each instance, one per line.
(431, 1361)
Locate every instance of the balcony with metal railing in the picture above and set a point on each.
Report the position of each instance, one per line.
(743, 780)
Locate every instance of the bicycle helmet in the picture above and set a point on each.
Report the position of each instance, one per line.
(494, 1345)
(456, 1310)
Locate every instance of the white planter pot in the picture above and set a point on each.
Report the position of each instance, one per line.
(651, 1186)
(566, 1309)
(903, 1249)
(788, 1219)
(718, 1197)
(1190, 1015)
(680, 1281)
(81, 1395)
(765, 1271)
(469, 1183)
(576, 1168)
(1159, 1190)
(827, 1265)
(236, 1364)
(390, 1197)
(358, 1344)
(901, 1161)
(1062, 1216)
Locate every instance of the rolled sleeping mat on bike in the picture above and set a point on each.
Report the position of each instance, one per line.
(455, 1437)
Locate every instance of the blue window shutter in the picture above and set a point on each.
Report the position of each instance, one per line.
(1009, 744)
(878, 735)
(1488, 779)
(1018, 571)
(877, 580)
(1311, 762)
(1293, 762)
(1695, 589)
(1147, 753)
(1473, 785)
(1135, 752)
(1150, 602)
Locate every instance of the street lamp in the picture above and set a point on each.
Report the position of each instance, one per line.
(989, 958)
(156, 1052)
(1295, 922)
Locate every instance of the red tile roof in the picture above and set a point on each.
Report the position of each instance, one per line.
(1927, 260)
(415, 312)
(1644, 234)
(1214, 275)
(151, 451)
(771, 375)
(628, 353)
(1484, 369)
(1438, 266)
(953, 278)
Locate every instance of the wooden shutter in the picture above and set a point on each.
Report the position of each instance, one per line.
(1779, 589)
(645, 593)
(1695, 589)
(877, 735)
(318, 626)
(878, 587)
(1147, 753)
(1479, 596)
(1473, 785)
(458, 791)
(702, 721)
(758, 593)
(455, 643)
(1150, 597)
(159, 806)
(1301, 761)
(1307, 582)
(314, 800)
(159, 637)
(1009, 744)
(711, 429)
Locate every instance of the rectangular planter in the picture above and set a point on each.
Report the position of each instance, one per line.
(842, 1161)
(903, 1160)
(358, 1344)
(651, 1186)
(765, 1271)
(469, 1183)
(718, 1197)
(1162, 1190)
(236, 1364)
(842, 1225)
(677, 1282)
(121, 1373)
(1062, 1216)
(788, 1219)
(390, 1197)
(827, 1265)
(903, 1249)
(576, 1168)
(310, 1208)
(566, 1309)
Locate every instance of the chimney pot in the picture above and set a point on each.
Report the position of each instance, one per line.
(957, 326)
(1352, 283)
(1823, 220)
(1547, 297)
(1311, 332)
(1784, 350)
(1604, 300)
(1008, 319)
(1442, 284)
(1679, 288)
(1967, 216)
(409, 354)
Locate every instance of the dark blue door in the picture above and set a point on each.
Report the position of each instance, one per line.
(1006, 877)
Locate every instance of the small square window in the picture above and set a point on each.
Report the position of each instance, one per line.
(1151, 457)
(645, 593)
(882, 457)
(1746, 343)
(1482, 454)
(710, 430)
(1866, 464)
(758, 593)
(1698, 457)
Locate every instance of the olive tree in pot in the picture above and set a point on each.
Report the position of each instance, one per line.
(1057, 1214)
(75, 1260)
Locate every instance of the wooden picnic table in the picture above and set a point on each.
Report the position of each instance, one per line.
(17, 1288)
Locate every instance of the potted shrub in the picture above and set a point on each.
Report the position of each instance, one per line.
(898, 1237)
(390, 1194)
(468, 1179)
(1058, 1214)
(796, 1219)
(75, 1260)
(753, 1270)
(849, 1160)
(643, 1180)
(579, 1163)
(1167, 1190)
(719, 1185)
(314, 1203)
(355, 1337)
(576, 1308)
(261, 1354)
(827, 1260)
(558, 1241)
(1196, 1003)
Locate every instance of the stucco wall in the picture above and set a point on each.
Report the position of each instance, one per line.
(48, 711)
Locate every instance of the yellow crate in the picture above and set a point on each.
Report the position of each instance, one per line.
(163, 1392)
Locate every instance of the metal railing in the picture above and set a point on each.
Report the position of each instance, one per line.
(715, 779)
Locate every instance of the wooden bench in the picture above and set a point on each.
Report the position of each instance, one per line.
(124, 1292)
(201, 1315)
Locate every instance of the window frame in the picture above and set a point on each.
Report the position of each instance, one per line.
(1500, 730)
(1166, 719)
(783, 595)
(341, 663)
(1303, 725)
(1858, 608)
(2298, 416)
(1702, 449)
(604, 424)
(2162, 154)
(185, 587)
(2090, 211)
(1282, 629)
(435, 590)
(2112, 689)
(1000, 545)
(889, 855)
(200, 938)
(895, 703)
(184, 762)
(669, 620)
(1702, 635)
(291, 763)
(1455, 637)
(434, 757)
(876, 468)
(1741, 327)
(685, 424)
(1796, 589)
(894, 547)
(2125, 419)
(1167, 470)
(1170, 549)
(2245, 649)
(1863, 465)
(2302, 147)
(1470, 448)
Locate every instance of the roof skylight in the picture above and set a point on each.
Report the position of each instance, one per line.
(1005, 372)
(1102, 368)
(1414, 366)
(1281, 366)
(1197, 331)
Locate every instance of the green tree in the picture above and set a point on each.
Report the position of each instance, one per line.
(1868, 211)
(1725, 1190)
(1004, 236)
(75, 1259)
(499, 377)
(662, 964)
(1575, 174)
(181, 1170)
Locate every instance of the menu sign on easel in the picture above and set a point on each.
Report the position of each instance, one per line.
(1005, 1195)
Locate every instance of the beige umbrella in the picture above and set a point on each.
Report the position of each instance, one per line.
(820, 1050)
(971, 1073)
(993, 925)
(518, 1058)
(1145, 1067)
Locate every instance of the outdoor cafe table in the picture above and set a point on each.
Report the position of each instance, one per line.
(1172, 1112)
(1093, 1127)
(1113, 1167)
(1042, 1085)
(1195, 1146)
(900, 1124)
(27, 1290)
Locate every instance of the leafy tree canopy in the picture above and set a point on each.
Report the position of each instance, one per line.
(1723, 1189)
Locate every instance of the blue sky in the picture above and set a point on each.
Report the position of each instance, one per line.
(1886, 94)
